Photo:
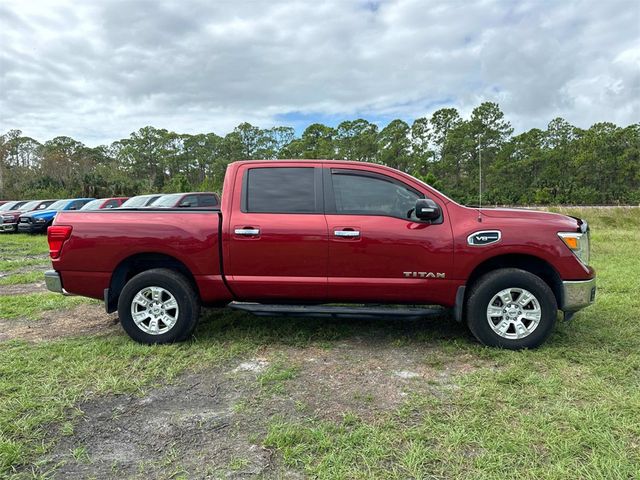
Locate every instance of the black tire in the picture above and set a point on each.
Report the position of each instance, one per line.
(187, 313)
(482, 293)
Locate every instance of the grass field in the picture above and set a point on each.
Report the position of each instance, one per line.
(321, 398)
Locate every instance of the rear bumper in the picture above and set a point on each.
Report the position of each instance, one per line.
(578, 294)
(53, 281)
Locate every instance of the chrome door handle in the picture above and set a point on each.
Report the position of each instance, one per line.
(247, 231)
(346, 233)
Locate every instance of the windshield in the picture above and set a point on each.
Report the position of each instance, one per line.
(168, 200)
(59, 205)
(11, 206)
(93, 204)
(138, 201)
(27, 207)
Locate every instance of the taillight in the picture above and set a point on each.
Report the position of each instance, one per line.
(57, 235)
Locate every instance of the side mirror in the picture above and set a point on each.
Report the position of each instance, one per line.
(73, 207)
(185, 205)
(427, 209)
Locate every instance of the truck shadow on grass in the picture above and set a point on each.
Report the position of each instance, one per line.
(213, 420)
(303, 330)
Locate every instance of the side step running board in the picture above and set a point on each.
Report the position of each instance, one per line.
(323, 311)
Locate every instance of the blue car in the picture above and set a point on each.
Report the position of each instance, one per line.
(34, 222)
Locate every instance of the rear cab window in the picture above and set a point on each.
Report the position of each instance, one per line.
(282, 190)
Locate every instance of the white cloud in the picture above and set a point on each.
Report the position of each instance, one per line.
(97, 71)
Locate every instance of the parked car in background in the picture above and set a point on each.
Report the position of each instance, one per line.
(141, 201)
(34, 222)
(100, 203)
(188, 200)
(2, 202)
(12, 205)
(9, 219)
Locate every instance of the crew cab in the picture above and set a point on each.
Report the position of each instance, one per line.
(327, 238)
(9, 219)
(34, 222)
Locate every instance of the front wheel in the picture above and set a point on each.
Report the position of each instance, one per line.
(511, 308)
(158, 306)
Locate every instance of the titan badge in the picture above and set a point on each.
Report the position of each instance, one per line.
(424, 275)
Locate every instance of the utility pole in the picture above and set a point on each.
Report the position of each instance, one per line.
(479, 177)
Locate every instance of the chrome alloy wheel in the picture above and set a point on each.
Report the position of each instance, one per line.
(154, 310)
(514, 313)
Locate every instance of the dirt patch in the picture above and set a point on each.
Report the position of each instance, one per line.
(369, 378)
(22, 288)
(211, 424)
(191, 428)
(76, 321)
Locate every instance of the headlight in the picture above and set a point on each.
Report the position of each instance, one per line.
(40, 220)
(578, 243)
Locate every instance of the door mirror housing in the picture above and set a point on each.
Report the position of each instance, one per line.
(427, 209)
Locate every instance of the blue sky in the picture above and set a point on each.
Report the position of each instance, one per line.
(99, 70)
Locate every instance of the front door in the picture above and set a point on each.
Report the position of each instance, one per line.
(378, 250)
(278, 235)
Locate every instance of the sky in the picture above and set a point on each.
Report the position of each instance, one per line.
(99, 70)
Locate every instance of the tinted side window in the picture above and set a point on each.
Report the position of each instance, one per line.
(280, 190)
(149, 201)
(358, 194)
(189, 201)
(111, 204)
(207, 201)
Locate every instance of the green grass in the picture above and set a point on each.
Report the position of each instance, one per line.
(19, 252)
(570, 409)
(273, 380)
(8, 266)
(32, 305)
(22, 244)
(21, 278)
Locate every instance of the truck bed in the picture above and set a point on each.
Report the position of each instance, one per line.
(104, 240)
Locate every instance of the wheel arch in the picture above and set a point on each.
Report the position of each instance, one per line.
(530, 263)
(138, 263)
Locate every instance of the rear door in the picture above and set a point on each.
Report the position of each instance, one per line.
(277, 235)
(378, 250)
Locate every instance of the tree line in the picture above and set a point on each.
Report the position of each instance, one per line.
(562, 164)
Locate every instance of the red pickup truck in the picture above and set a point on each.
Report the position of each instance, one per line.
(327, 237)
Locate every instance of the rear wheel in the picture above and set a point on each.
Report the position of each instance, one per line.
(511, 308)
(158, 306)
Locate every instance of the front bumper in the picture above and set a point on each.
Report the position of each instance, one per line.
(31, 227)
(578, 294)
(53, 281)
(8, 227)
